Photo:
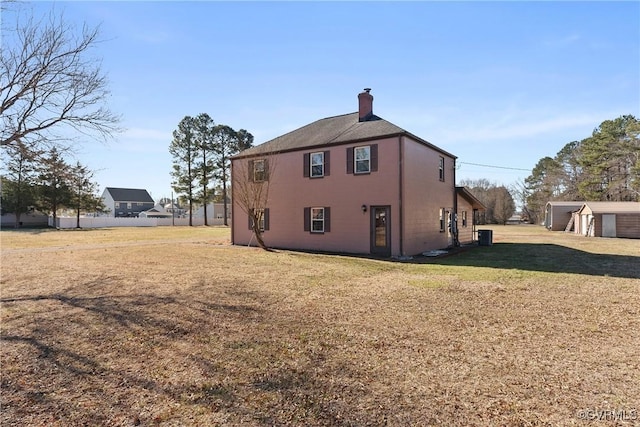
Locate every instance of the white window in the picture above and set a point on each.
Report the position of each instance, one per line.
(443, 213)
(362, 157)
(262, 218)
(128, 205)
(317, 220)
(317, 164)
(260, 214)
(258, 170)
(117, 205)
(441, 169)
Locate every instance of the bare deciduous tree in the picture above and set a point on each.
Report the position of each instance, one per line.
(251, 179)
(51, 85)
(502, 203)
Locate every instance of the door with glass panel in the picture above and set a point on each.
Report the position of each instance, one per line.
(381, 230)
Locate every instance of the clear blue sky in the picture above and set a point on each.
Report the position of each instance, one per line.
(496, 83)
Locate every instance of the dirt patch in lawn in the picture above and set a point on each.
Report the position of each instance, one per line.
(196, 332)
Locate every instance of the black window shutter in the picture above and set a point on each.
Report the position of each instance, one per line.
(307, 219)
(350, 160)
(374, 157)
(250, 163)
(266, 219)
(327, 219)
(326, 163)
(305, 165)
(266, 170)
(250, 219)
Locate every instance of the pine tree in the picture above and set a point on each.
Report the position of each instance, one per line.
(83, 191)
(53, 183)
(184, 150)
(18, 182)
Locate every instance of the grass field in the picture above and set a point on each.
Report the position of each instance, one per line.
(173, 326)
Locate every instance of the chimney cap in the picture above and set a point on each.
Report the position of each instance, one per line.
(367, 89)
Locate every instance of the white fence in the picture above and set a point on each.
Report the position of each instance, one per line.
(104, 222)
(26, 220)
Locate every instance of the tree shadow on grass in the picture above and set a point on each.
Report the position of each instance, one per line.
(86, 340)
(541, 257)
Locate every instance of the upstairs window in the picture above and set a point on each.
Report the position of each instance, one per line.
(362, 160)
(316, 165)
(441, 169)
(258, 170)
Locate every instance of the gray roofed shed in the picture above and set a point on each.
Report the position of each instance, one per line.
(557, 214)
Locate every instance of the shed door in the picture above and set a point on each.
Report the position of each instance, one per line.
(608, 225)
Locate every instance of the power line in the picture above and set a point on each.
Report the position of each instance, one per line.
(494, 167)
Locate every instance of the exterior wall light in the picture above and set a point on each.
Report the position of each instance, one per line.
(364, 208)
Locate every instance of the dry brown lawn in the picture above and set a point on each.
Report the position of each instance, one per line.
(172, 326)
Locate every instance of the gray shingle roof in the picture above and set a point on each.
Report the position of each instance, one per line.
(333, 131)
(129, 195)
(465, 193)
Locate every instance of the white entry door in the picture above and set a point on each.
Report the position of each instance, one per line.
(608, 225)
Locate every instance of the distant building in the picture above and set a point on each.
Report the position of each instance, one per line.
(558, 214)
(214, 211)
(608, 219)
(175, 210)
(126, 202)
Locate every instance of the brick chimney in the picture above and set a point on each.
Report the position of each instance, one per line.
(365, 105)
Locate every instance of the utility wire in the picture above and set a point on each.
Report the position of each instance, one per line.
(495, 167)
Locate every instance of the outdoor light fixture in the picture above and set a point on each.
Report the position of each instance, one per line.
(364, 208)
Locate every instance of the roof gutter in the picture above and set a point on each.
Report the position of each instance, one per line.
(400, 193)
(456, 241)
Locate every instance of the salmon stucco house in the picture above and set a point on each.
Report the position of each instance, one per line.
(353, 183)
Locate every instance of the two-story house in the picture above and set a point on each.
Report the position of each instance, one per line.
(126, 202)
(353, 183)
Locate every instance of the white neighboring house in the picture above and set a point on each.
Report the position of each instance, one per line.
(158, 211)
(126, 202)
(175, 209)
(215, 211)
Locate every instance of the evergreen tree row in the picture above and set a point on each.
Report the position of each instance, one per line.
(46, 182)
